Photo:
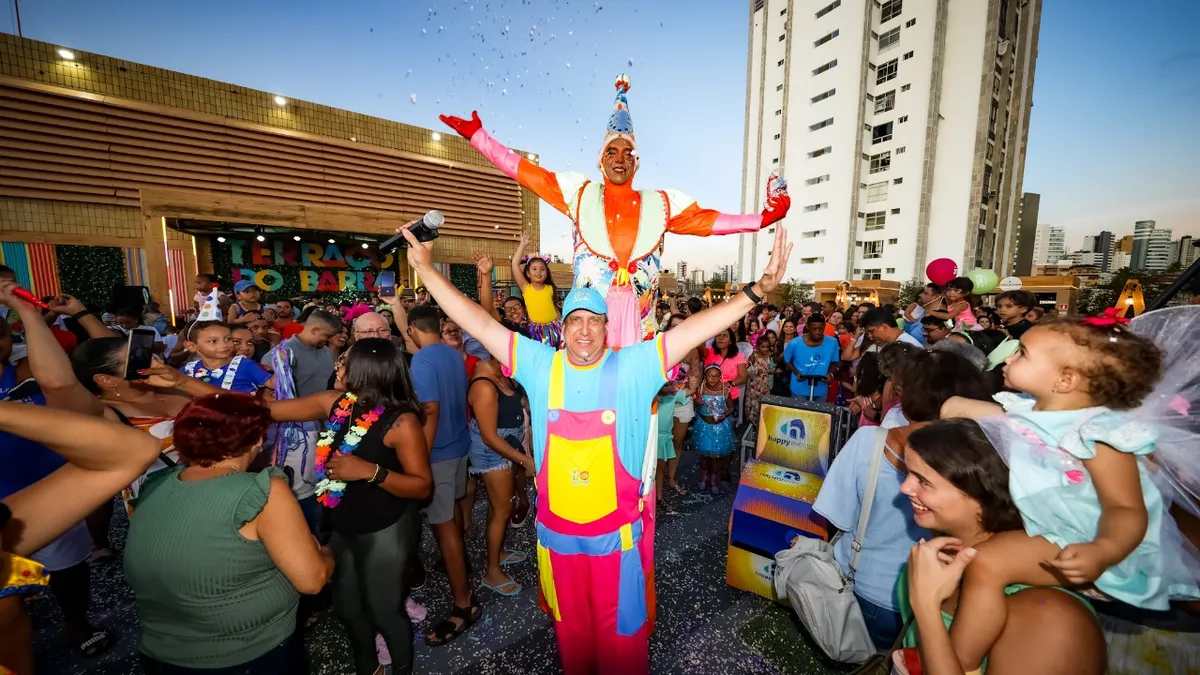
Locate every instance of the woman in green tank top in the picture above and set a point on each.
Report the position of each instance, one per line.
(958, 486)
(217, 556)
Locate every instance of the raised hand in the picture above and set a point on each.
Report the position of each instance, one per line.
(781, 250)
(420, 254)
(483, 262)
(66, 304)
(525, 239)
(465, 128)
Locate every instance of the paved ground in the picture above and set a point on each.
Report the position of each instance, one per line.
(704, 626)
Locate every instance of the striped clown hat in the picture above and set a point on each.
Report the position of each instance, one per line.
(620, 123)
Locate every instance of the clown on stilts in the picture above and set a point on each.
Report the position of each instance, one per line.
(618, 231)
(618, 239)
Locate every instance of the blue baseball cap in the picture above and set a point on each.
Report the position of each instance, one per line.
(243, 285)
(584, 298)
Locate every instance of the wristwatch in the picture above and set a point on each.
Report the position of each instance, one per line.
(747, 289)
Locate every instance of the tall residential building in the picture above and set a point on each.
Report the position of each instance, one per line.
(1050, 245)
(681, 269)
(1151, 247)
(1183, 252)
(901, 127)
(1103, 246)
(1027, 218)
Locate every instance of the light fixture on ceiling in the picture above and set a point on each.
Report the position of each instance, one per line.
(279, 100)
(365, 245)
(67, 54)
(221, 240)
(261, 238)
(437, 136)
(532, 156)
(333, 241)
(296, 237)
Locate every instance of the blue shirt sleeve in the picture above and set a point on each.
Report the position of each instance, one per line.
(840, 497)
(530, 362)
(642, 369)
(789, 352)
(425, 379)
(254, 373)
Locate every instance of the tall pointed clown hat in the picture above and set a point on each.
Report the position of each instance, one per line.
(211, 309)
(620, 123)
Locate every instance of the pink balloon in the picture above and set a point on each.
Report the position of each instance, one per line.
(941, 271)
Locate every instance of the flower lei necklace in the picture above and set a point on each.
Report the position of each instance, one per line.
(329, 491)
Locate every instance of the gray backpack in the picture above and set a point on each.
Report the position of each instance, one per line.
(812, 581)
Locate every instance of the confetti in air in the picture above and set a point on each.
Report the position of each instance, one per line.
(413, 98)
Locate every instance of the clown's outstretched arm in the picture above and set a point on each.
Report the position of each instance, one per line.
(686, 216)
(552, 188)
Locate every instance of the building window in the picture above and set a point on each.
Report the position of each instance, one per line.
(881, 162)
(890, 10)
(897, 181)
(818, 180)
(783, 11)
(902, 120)
(779, 87)
(910, 23)
(829, 8)
(780, 62)
(908, 55)
(812, 234)
(822, 68)
(992, 116)
(900, 150)
(871, 274)
(816, 207)
(826, 38)
(881, 133)
(821, 151)
(889, 39)
(872, 249)
(885, 102)
(895, 212)
(906, 87)
(876, 220)
(891, 270)
(821, 125)
(877, 192)
(776, 136)
(775, 161)
(779, 112)
(758, 4)
(893, 241)
(887, 71)
(822, 96)
(812, 261)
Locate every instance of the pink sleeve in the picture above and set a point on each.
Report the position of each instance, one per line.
(506, 160)
(730, 224)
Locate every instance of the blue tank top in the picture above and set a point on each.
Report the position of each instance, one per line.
(24, 461)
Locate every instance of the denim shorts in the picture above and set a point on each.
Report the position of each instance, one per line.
(483, 458)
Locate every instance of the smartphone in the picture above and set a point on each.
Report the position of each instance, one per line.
(139, 353)
(387, 284)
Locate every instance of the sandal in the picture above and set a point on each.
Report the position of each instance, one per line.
(446, 630)
(512, 557)
(95, 645)
(513, 587)
(679, 489)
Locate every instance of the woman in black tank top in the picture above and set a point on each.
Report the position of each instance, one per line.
(386, 477)
(498, 420)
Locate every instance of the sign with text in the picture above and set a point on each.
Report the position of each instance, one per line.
(306, 266)
(794, 438)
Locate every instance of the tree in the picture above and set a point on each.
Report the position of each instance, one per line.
(910, 292)
(794, 292)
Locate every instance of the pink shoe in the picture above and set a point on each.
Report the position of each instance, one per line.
(381, 651)
(416, 611)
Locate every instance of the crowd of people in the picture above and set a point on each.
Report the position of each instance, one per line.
(277, 449)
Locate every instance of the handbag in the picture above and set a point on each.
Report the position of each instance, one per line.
(822, 596)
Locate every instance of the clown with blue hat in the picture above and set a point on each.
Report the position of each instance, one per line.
(618, 231)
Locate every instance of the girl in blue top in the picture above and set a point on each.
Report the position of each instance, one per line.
(713, 433)
(1093, 518)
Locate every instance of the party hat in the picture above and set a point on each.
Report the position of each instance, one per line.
(620, 124)
(211, 309)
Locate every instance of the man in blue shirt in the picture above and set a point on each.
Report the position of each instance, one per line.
(811, 356)
(595, 450)
(440, 379)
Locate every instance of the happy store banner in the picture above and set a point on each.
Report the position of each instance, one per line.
(301, 267)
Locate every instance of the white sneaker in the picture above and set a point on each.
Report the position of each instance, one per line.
(381, 651)
(416, 611)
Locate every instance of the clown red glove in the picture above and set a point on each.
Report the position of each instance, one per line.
(777, 208)
(465, 128)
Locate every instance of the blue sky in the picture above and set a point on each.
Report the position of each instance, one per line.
(1109, 142)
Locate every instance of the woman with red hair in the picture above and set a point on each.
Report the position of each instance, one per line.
(216, 555)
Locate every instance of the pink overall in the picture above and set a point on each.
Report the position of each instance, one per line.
(590, 529)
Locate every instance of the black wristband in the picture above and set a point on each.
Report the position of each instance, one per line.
(380, 475)
(750, 293)
(78, 315)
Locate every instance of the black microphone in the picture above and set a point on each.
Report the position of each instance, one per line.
(425, 229)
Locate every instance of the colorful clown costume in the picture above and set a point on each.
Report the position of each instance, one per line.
(618, 231)
(594, 451)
